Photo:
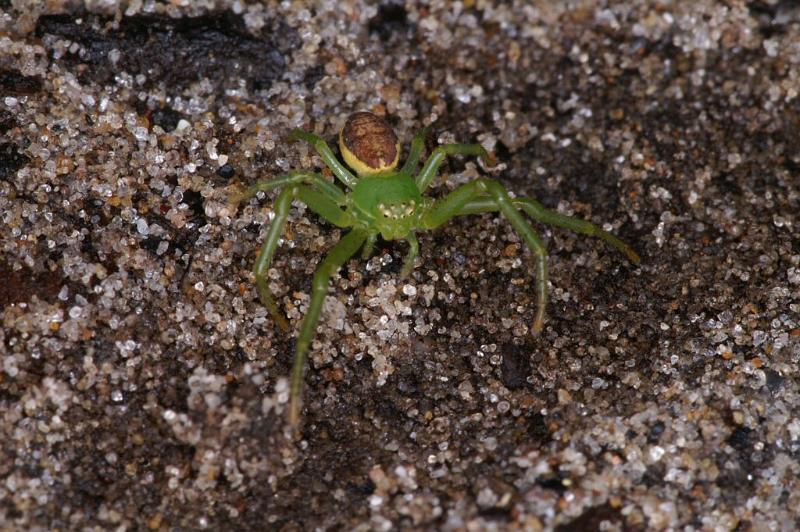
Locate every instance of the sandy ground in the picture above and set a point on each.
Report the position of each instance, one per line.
(143, 385)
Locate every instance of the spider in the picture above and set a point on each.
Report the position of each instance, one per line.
(382, 200)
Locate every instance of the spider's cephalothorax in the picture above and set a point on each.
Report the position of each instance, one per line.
(384, 200)
(390, 204)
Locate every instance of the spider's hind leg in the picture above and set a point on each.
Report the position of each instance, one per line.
(325, 152)
(414, 152)
(436, 158)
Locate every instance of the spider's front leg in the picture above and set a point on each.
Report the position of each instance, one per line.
(319, 202)
(543, 214)
(539, 212)
(453, 204)
(341, 252)
(413, 251)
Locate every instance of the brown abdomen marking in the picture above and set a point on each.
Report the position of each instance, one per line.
(370, 139)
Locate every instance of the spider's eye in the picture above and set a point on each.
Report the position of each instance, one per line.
(396, 211)
(368, 144)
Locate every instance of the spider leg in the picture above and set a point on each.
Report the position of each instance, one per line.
(324, 151)
(341, 252)
(281, 210)
(536, 210)
(413, 251)
(417, 144)
(319, 203)
(436, 159)
(369, 245)
(543, 214)
(454, 203)
(292, 178)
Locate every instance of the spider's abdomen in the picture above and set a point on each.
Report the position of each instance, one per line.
(368, 144)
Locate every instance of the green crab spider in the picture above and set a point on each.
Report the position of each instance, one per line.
(381, 200)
